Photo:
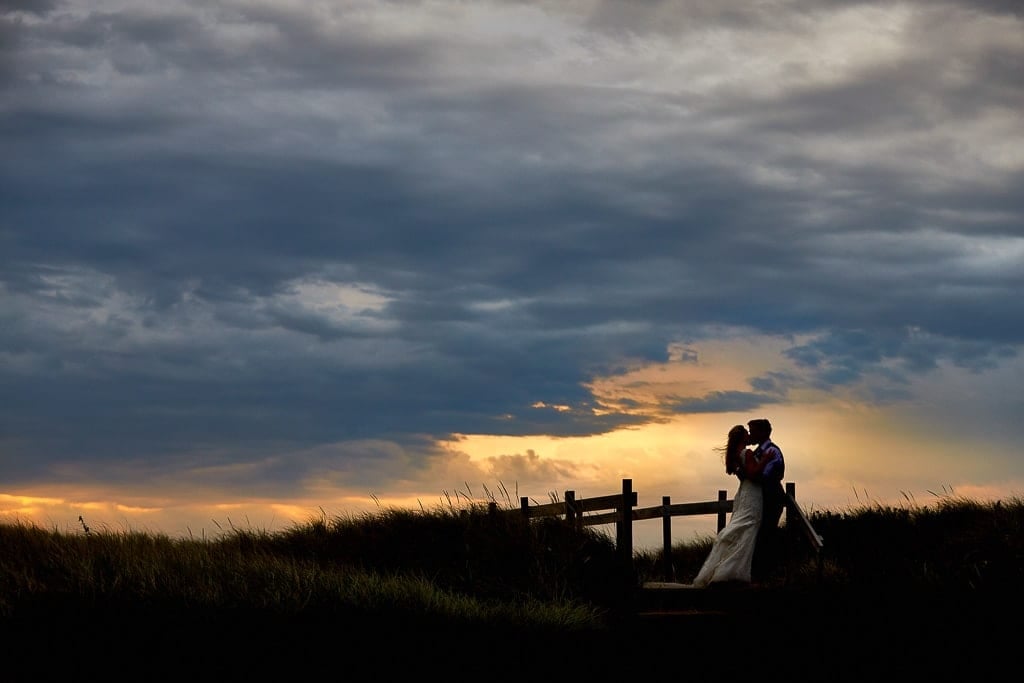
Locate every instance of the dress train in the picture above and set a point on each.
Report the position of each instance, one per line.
(733, 549)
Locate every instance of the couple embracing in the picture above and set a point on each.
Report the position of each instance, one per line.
(746, 549)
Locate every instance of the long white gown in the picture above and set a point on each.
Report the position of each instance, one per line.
(733, 549)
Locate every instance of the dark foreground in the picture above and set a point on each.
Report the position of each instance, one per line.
(801, 635)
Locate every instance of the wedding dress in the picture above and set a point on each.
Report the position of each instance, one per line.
(733, 549)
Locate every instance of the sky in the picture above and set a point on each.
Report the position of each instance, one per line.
(262, 262)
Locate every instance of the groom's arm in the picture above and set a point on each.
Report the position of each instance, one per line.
(772, 468)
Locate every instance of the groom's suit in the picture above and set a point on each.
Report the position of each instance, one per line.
(766, 550)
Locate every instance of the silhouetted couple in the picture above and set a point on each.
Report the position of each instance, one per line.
(747, 549)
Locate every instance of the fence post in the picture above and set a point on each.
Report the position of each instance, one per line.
(572, 515)
(524, 505)
(624, 538)
(722, 497)
(790, 490)
(666, 537)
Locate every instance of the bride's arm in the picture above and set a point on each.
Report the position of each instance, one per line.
(751, 467)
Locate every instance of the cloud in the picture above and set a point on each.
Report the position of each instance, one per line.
(285, 239)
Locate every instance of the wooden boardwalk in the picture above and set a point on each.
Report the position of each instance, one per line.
(664, 601)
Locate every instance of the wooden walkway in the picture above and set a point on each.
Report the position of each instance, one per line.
(666, 600)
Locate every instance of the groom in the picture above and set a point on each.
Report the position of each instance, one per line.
(766, 548)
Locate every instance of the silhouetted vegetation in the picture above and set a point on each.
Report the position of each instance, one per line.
(488, 559)
(951, 544)
(456, 566)
(496, 576)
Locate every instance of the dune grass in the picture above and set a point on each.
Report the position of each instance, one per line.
(467, 565)
(460, 591)
(455, 567)
(950, 544)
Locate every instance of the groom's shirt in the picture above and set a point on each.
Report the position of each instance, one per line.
(775, 467)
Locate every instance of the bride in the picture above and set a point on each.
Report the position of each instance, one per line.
(733, 548)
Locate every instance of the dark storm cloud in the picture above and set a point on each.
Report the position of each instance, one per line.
(175, 176)
(29, 6)
(725, 402)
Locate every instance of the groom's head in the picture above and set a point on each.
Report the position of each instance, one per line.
(760, 430)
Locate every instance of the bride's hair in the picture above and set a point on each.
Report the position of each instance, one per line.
(734, 449)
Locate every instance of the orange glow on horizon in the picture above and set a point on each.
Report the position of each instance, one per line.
(840, 453)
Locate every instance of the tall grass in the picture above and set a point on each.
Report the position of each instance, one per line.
(954, 543)
(461, 591)
(464, 564)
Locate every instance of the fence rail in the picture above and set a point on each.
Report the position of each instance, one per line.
(620, 509)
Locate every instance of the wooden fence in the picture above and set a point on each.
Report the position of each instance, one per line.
(620, 509)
